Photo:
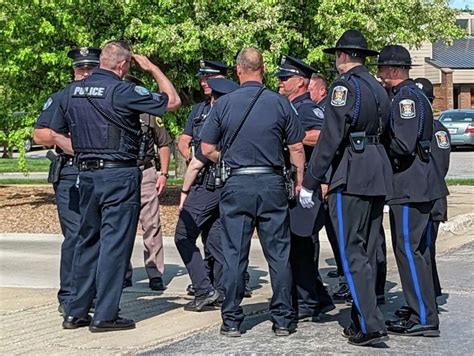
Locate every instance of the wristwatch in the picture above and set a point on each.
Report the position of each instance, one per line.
(166, 175)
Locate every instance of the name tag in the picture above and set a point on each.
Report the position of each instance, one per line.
(96, 92)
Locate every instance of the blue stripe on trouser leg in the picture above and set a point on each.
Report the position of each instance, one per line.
(345, 263)
(429, 234)
(411, 262)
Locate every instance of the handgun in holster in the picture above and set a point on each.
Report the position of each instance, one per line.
(423, 149)
(57, 162)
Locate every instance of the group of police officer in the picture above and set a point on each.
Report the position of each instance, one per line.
(284, 163)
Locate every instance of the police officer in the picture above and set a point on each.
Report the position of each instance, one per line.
(101, 113)
(355, 118)
(254, 194)
(411, 121)
(439, 165)
(154, 168)
(199, 213)
(63, 174)
(310, 295)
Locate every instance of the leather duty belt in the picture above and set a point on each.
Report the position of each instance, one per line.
(255, 170)
(94, 164)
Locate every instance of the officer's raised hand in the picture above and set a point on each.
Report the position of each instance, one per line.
(143, 62)
(306, 198)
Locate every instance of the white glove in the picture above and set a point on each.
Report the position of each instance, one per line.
(306, 198)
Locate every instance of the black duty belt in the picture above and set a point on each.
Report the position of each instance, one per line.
(369, 140)
(255, 170)
(93, 164)
(69, 162)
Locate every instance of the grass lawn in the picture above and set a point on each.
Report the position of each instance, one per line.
(10, 165)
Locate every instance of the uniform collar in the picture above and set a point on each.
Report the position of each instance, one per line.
(251, 83)
(106, 72)
(301, 98)
(399, 87)
(355, 70)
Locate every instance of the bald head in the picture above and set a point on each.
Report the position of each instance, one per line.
(250, 59)
(114, 54)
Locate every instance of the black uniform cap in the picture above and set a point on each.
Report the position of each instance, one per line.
(290, 66)
(84, 56)
(222, 86)
(394, 56)
(354, 43)
(132, 79)
(211, 68)
(427, 87)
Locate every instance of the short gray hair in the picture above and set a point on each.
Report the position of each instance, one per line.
(250, 59)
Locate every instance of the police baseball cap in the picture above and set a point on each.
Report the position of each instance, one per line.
(211, 68)
(222, 86)
(84, 56)
(394, 56)
(290, 66)
(427, 87)
(353, 43)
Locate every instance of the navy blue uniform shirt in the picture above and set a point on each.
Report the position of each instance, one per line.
(197, 117)
(271, 122)
(93, 136)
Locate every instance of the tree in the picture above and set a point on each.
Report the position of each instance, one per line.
(36, 36)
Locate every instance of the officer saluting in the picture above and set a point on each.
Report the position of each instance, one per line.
(356, 116)
(411, 120)
(63, 173)
(102, 114)
(310, 294)
(251, 125)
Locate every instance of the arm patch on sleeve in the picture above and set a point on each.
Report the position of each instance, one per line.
(319, 113)
(442, 140)
(48, 103)
(141, 90)
(339, 96)
(407, 109)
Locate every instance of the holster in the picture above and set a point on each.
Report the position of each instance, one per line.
(143, 147)
(57, 162)
(423, 149)
(289, 174)
(357, 141)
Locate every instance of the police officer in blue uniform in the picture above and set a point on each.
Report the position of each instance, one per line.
(251, 124)
(439, 165)
(309, 295)
(411, 121)
(101, 113)
(63, 173)
(356, 117)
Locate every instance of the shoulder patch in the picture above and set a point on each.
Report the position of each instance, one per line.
(407, 109)
(319, 113)
(339, 96)
(159, 122)
(157, 97)
(294, 109)
(141, 90)
(48, 103)
(442, 140)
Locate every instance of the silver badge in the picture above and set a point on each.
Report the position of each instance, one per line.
(84, 51)
(141, 90)
(202, 64)
(442, 140)
(319, 113)
(48, 103)
(339, 96)
(407, 109)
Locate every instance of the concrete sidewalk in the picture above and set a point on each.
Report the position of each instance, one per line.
(30, 323)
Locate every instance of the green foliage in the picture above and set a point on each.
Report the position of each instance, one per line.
(36, 35)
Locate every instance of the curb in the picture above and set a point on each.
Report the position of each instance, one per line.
(458, 223)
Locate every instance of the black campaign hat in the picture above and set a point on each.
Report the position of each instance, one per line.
(290, 66)
(211, 68)
(84, 56)
(394, 56)
(354, 43)
(222, 86)
(427, 87)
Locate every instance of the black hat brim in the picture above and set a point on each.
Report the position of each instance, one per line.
(366, 52)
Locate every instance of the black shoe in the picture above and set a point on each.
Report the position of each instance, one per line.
(61, 309)
(72, 322)
(394, 322)
(342, 294)
(230, 332)
(156, 284)
(361, 339)
(98, 326)
(381, 299)
(326, 308)
(333, 274)
(404, 312)
(350, 331)
(410, 328)
(200, 302)
(309, 318)
(281, 330)
(127, 283)
(247, 292)
(349, 300)
(190, 289)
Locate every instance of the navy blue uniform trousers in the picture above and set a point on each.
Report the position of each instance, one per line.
(67, 202)
(357, 221)
(110, 207)
(249, 202)
(200, 215)
(410, 224)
